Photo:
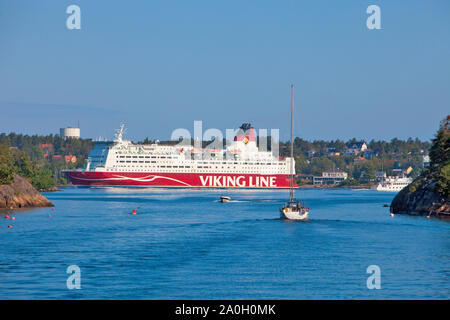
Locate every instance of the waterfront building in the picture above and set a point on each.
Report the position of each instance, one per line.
(333, 176)
(305, 178)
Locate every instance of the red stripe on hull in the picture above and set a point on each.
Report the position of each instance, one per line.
(186, 180)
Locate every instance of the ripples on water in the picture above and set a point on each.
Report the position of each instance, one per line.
(185, 244)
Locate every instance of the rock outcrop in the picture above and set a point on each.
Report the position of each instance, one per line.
(429, 194)
(421, 198)
(21, 194)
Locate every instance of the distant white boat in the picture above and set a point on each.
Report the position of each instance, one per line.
(393, 184)
(225, 199)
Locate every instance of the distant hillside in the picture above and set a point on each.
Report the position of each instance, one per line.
(429, 193)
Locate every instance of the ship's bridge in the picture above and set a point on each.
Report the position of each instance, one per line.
(98, 155)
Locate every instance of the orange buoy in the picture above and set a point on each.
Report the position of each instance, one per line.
(6, 217)
(10, 226)
(13, 218)
(133, 212)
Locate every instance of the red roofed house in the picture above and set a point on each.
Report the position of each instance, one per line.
(47, 146)
(70, 158)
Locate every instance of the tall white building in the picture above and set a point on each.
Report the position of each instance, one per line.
(69, 132)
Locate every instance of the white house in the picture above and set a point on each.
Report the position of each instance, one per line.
(355, 149)
(426, 160)
(311, 153)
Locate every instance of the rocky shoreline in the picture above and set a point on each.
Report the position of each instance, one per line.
(21, 194)
(420, 198)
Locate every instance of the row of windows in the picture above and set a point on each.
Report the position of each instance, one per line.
(226, 163)
(199, 167)
(180, 169)
(137, 161)
(147, 157)
(202, 162)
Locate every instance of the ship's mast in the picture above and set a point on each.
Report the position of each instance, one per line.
(119, 133)
(291, 182)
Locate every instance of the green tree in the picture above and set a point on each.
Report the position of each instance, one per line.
(6, 165)
(440, 149)
(443, 183)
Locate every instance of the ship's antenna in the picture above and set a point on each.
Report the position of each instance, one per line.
(291, 182)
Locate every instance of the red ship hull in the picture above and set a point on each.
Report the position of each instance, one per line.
(185, 180)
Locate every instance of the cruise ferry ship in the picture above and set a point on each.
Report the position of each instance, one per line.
(393, 184)
(240, 165)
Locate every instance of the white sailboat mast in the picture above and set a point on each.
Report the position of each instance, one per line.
(291, 182)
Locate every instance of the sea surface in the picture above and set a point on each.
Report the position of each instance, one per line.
(185, 244)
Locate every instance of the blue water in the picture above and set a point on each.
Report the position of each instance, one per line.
(184, 244)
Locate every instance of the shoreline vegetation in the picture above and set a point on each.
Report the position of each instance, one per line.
(429, 193)
(21, 194)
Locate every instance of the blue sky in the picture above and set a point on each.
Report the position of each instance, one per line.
(160, 65)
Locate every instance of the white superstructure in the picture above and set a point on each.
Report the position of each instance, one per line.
(242, 157)
(393, 184)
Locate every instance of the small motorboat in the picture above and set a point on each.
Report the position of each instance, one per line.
(224, 199)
